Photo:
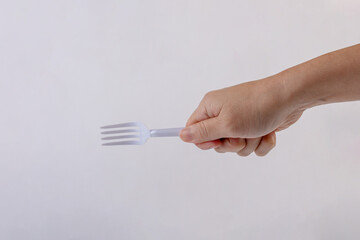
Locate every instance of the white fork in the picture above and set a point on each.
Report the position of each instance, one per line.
(135, 133)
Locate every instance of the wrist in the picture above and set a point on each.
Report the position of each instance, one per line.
(300, 88)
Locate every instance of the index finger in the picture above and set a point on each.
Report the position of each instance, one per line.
(200, 114)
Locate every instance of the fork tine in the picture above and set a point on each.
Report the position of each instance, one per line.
(120, 131)
(123, 143)
(121, 137)
(129, 124)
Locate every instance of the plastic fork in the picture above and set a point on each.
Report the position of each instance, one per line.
(135, 133)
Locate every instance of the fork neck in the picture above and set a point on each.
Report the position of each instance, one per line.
(165, 132)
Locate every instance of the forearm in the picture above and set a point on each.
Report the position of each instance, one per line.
(333, 77)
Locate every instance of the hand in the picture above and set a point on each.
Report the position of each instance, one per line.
(245, 117)
(242, 118)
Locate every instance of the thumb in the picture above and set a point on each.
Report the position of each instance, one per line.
(203, 131)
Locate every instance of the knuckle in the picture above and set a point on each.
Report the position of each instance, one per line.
(238, 143)
(219, 150)
(272, 139)
(201, 146)
(235, 144)
(243, 153)
(207, 96)
(204, 146)
(260, 153)
(203, 131)
(272, 142)
(210, 94)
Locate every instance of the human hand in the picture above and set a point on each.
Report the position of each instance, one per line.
(245, 117)
(242, 118)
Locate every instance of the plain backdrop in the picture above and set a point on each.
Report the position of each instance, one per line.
(69, 67)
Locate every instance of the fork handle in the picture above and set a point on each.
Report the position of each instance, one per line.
(165, 132)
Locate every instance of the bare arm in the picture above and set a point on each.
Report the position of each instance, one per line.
(333, 77)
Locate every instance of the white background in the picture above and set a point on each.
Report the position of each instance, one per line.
(69, 67)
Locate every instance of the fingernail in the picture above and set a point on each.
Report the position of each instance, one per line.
(186, 135)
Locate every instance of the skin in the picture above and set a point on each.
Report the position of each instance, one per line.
(245, 118)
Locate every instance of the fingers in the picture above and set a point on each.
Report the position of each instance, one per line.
(267, 143)
(243, 147)
(209, 145)
(261, 146)
(209, 107)
(231, 145)
(198, 115)
(251, 145)
(204, 131)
